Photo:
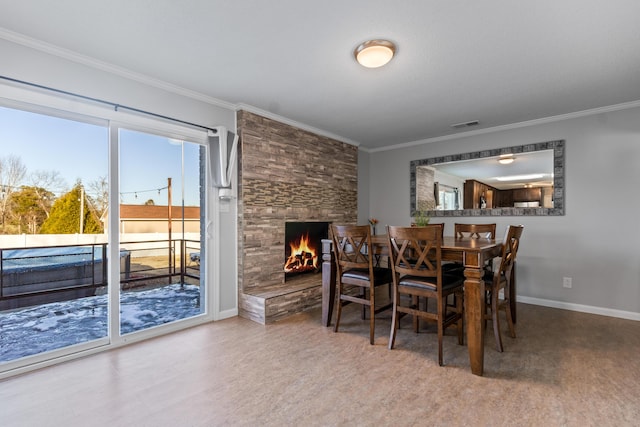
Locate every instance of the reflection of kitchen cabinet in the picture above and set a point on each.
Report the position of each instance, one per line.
(504, 199)
(495, 198)
(542, 195)
(474, 191)
(527, 195)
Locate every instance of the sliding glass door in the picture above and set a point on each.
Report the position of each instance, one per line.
(101, 232)
(160, 230)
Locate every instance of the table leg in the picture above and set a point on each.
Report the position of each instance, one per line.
(512, 293)
(328, 289)
(474, 308)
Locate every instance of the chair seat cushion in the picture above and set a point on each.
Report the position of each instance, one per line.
(489, 273)
(453, 268)
(488, 276)
(448, 282)
(380, 275)
(457, 269)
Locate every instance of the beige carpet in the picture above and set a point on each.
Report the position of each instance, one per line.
(564, 369)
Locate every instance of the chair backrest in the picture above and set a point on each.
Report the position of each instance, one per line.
(416, 251)
(441, 227)
(475, 230)
(509, 250)
(351, 245)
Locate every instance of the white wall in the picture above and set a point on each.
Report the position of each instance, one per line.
(595, 242)
(30, 62)
(363, 188)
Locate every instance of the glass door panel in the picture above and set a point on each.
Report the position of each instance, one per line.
(160, 230)
(53, 264)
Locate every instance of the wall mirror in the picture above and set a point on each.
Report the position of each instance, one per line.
(511, 181)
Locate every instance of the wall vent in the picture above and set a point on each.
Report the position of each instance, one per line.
(466, 124)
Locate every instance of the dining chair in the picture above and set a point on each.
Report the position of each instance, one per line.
(472, 231)
(445, 267)
(416, 260)
(500, 279)
(355, 270)
(475, 230)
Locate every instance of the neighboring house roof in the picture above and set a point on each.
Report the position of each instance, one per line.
(146, 212)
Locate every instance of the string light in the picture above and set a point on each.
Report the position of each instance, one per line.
(135, 192)
(5, 188)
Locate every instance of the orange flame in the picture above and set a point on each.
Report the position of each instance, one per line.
(303, 258)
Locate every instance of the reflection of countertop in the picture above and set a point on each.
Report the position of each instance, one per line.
(526, 204)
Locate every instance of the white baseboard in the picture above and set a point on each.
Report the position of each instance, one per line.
(581, 308)
(227, 313)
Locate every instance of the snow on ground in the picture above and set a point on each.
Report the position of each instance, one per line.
(34, 330)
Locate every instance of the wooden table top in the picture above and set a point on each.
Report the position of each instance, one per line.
(469, 251)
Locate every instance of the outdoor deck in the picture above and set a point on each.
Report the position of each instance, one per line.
(32, 330)
(49, 302)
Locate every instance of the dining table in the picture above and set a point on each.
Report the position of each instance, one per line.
(471, 252)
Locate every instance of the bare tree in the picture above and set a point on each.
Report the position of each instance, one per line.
(12, 172)
(44, 184)
(99, 194)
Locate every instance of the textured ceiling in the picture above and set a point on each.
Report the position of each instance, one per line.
(496, 61)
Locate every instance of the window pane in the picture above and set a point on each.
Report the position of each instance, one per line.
(53, 196)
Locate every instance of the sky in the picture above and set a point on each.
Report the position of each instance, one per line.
(79, 151)
(146, 161)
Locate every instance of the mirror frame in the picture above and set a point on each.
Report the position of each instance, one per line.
(558, 181)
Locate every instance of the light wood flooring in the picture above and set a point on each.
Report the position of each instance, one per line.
(564, 369)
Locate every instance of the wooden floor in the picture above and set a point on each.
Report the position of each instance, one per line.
(564, 369)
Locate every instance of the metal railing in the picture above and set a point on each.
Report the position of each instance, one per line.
(42, 274)
(29, 275)
(160, 259)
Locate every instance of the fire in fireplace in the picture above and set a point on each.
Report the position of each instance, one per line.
(303, 246)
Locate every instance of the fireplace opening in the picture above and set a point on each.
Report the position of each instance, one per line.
(303, 247)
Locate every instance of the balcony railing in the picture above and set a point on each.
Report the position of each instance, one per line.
(161, 259)
(43, 274)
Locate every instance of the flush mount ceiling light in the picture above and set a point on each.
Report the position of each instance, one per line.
(374, 53)
(506, 159)
(521, 177)
(465, 124)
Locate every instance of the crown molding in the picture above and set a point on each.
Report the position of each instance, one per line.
(551, 119)
(104, 66)
(272, 116)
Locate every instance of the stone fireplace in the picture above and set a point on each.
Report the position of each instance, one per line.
(275, 161)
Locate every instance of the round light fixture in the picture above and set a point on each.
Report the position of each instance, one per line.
(374, 53)
(506, 159)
